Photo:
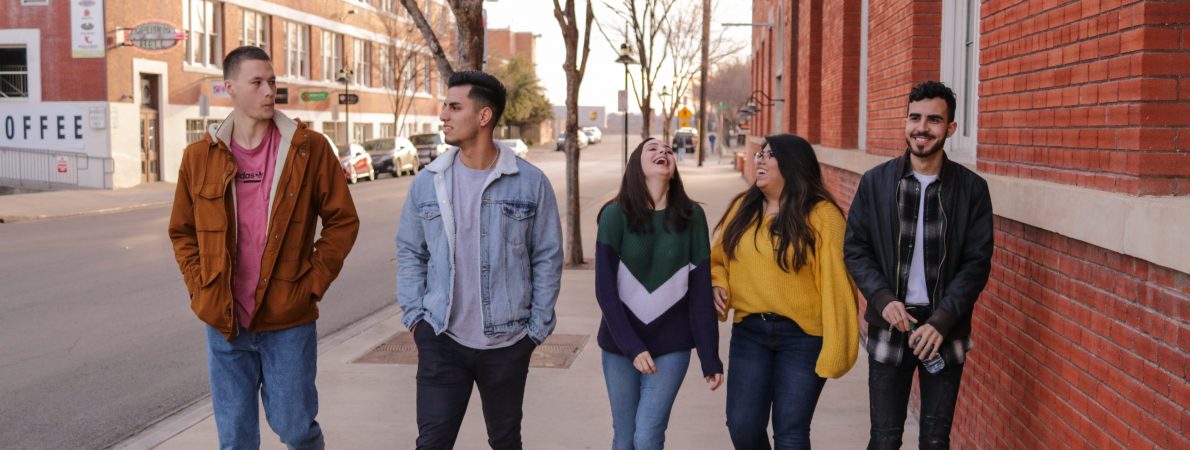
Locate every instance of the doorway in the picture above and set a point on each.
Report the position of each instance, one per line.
(150, 129)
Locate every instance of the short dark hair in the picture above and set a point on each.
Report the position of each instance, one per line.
(486, 90)
(934, 89)
(232, 61)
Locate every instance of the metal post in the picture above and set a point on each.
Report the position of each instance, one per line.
(347, 114)
(702, 87)
(624, 160)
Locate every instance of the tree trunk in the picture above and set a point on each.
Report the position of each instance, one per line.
(574, 243)
(646, 115)
(469, 21)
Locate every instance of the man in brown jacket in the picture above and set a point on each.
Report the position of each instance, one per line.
(248, 198)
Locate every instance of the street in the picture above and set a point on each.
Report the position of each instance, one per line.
(97, 340)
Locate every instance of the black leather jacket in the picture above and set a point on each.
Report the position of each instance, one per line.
(873, 244)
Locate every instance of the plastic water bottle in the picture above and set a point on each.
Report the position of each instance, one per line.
(932, 365)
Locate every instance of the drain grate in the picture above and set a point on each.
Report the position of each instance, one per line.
(557, 352)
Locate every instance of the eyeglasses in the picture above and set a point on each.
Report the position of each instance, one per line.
(766, 153)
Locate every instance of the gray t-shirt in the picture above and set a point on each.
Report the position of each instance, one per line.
(466, 309)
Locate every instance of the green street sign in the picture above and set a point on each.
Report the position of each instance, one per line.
(314, 96)
(721, 105)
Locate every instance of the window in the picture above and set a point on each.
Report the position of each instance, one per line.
(408, 72)
(334, 131)
(332, 55)
(388, 76)
(196, 127)
(203, 22)
(361, 132)
(362, 58)
(960, 71)
(14, 72)
(297, 50)
(388, 5)
(388, 130)
(256, 30)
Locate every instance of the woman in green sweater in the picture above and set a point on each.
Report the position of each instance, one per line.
(653, 283)
(778, 262)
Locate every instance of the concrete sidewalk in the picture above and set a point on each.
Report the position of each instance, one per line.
(58, 204)
(372, 406)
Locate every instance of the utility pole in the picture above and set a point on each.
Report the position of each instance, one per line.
(702, 83)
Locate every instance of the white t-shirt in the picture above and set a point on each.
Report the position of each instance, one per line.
(917, 292)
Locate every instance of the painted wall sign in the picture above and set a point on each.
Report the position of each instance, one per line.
(314, 96)
(155, 36)
(43, 127)
(86, 29)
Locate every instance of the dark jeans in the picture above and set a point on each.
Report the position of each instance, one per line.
(888, 390)
(446, 374)
(771, 368)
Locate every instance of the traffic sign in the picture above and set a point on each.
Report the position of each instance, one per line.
(348, 99)
(282, 97)
(622, 102)
(685, 113)
(314, 96)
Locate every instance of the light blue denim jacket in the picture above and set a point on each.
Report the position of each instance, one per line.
(520, 248)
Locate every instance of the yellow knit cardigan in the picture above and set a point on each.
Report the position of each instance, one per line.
(820, 297)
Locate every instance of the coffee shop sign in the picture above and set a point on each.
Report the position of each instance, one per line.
(153, 36)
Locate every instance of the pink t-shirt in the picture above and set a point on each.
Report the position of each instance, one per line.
(254, 180)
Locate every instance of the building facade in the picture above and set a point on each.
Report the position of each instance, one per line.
(1078, 115)
(107, 93)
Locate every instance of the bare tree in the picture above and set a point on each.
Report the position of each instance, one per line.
(400, 68)
(643, 28)
(469, 25)
(575, 67)
(728, 83)
(683, 30)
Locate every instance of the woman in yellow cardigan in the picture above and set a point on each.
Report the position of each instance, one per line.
(777, 260)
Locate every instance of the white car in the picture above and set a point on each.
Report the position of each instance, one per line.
(594, 136)
(517, 146)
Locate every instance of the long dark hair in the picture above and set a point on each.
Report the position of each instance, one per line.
(637, 204)
(791, 230)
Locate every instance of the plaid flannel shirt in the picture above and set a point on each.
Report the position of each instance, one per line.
(889, 345)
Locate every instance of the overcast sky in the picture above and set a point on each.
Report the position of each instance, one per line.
(604, 78)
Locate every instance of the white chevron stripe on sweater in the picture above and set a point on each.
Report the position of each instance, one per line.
(648, 306)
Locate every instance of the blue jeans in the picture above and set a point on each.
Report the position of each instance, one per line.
(771, 368)
(279, 366)
(641, 403)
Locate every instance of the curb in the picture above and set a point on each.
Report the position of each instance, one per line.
(117, 209)
(174, 423)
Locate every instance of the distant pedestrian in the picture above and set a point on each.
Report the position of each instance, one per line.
(653, 284)
(777, 260)
(479, 265)
(919, 244)
(248, 200)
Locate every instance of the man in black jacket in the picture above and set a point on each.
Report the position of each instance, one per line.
(919, 246)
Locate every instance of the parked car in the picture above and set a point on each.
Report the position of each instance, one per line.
(429, 146)
(395, 155)
(684, 140)
(355, 162)
(594, 136)
(582, 141)
(517, 146)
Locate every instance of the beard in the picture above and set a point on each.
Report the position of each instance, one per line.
(927, 152)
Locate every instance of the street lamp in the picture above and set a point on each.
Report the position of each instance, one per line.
(625, 59)
(345, 75)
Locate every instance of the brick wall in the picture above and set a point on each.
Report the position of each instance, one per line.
(809, 70)
(1094, 94)
(57, 84)
(840, 74)
(1076, 346)
(903, 49)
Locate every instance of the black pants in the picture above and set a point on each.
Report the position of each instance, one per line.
(446, 374)
(888, 391)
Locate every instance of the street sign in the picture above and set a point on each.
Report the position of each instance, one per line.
(348, 99)
(683, 123)
(282, 97)
(685, 114)
(623, 105)
(314, 96)
(63, 164)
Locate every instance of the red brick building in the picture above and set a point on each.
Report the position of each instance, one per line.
(117, 115)
(1078, 115)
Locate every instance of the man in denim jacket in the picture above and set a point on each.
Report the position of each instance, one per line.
(479, 264)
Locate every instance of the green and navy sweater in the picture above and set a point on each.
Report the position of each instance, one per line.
(655, 288)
